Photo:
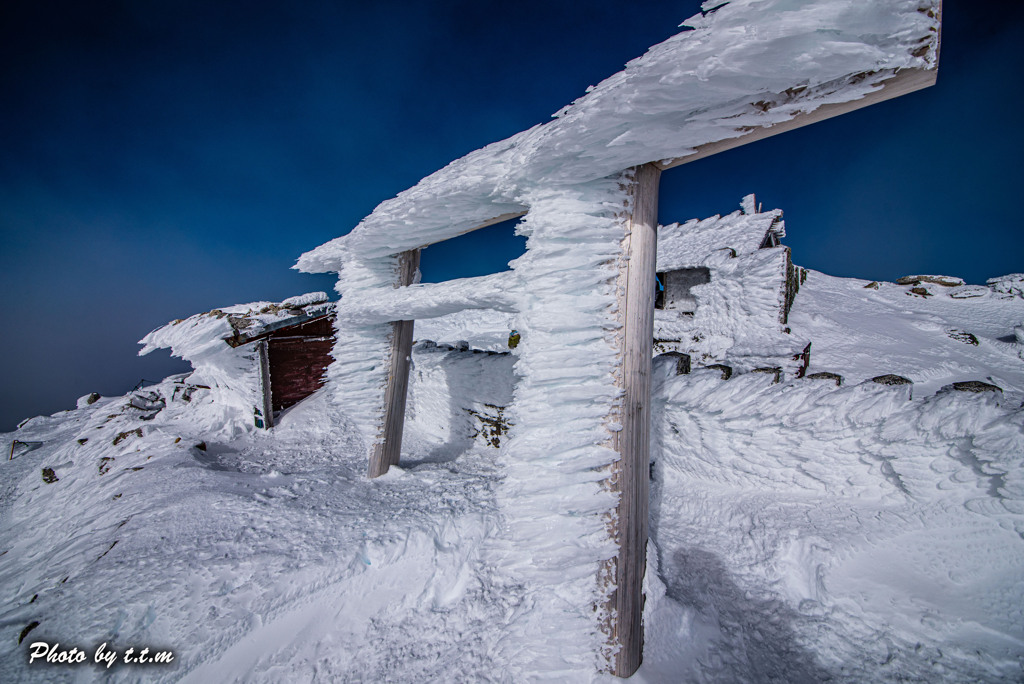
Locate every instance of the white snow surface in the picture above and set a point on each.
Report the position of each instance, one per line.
(682, 245)
(800, 531)
(699, 86)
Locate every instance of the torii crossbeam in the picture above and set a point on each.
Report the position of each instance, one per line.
(577, 463)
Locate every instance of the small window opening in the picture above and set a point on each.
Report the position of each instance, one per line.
(674, 288)
(479, 253)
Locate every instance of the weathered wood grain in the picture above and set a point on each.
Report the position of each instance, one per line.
(631, 473)
(297, 366)
(389, 447)
(265, 384)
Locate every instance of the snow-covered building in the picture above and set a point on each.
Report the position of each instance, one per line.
(257, 359)
(726, 286)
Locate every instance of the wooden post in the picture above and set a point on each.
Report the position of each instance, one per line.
(389, 446)
(631, 474)
(263, 352)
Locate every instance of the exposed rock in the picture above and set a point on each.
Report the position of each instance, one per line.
(24, 633)
(873, 285)
(493, 425)
(892, 380)
(962, 336)
(49, 477)
(834, 377)
(975, 386)
(150, 401)
(121, 436)
(920, 291)
(1008, 286)
(969, 292)
(945, 281)
(239, 322)
(776, 372)
(726, 371)
(682, 361)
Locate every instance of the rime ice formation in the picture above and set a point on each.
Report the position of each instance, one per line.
(748, 64)
(799, 528)
(266, 554)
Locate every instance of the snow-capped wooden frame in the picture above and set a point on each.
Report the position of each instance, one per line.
(658, 120)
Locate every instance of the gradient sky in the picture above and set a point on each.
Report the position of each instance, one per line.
(160, 158)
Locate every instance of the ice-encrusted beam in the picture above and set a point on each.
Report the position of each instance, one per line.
(388, 448)
(747, 70)
(430, 300)
(889, 84)
(577, 460)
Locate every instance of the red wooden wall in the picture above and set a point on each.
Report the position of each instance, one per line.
(298, 356)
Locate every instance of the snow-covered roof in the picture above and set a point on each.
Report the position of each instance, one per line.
(689, 244)
(235, 325)
(744, 67)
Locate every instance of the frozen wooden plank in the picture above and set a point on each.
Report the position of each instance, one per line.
(389, 447)
(631, 473)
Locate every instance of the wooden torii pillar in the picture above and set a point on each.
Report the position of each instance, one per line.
(631, 473)
(388, 448)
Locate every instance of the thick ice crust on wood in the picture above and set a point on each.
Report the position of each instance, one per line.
(431, 300)
(556, 506)
(746, 69)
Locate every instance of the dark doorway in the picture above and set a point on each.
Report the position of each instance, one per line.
(674, 288)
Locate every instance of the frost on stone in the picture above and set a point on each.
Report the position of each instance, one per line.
(1008, 286)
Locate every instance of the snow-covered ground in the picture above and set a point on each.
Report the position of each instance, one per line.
(800, 530)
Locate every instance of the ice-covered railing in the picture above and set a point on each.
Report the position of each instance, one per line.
(575, 490)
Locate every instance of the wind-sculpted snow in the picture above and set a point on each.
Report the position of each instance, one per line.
(697, 87)
(931, 335)
(690, 243)
(265, 558)
(807, 532)
(801, 531)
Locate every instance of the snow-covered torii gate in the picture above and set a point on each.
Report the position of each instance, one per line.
(577, 461)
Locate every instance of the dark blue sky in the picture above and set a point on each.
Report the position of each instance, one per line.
(162, 158)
